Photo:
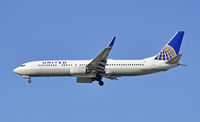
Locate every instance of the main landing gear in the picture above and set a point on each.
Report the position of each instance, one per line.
(101, 83)
(99, 79)
(29, 81)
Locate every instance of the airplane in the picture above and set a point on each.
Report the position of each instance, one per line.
(100, 67)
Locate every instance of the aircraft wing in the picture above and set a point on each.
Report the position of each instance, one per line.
(98, 64)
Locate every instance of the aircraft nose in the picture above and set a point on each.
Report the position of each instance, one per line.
(16, 70)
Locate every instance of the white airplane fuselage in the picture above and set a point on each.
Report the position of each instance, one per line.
(77, 68)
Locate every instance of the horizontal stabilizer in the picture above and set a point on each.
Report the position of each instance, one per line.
(182, 65)
(174, 60)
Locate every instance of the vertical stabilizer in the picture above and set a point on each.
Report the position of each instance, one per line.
(172, 48)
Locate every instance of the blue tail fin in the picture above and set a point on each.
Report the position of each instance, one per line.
(172, 48)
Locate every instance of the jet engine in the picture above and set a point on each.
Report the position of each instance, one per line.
(84, 80)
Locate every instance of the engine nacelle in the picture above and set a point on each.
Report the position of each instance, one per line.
(84, 80)
(78, 71)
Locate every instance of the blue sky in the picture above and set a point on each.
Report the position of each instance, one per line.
(74, 29)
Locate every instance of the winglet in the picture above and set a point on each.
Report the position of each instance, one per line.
(112, 42)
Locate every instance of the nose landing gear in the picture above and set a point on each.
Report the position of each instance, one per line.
(27, 77)
(29, 81)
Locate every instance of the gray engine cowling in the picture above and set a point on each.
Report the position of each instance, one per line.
(84, 80)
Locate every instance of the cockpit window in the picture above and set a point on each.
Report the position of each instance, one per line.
(22, 65)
